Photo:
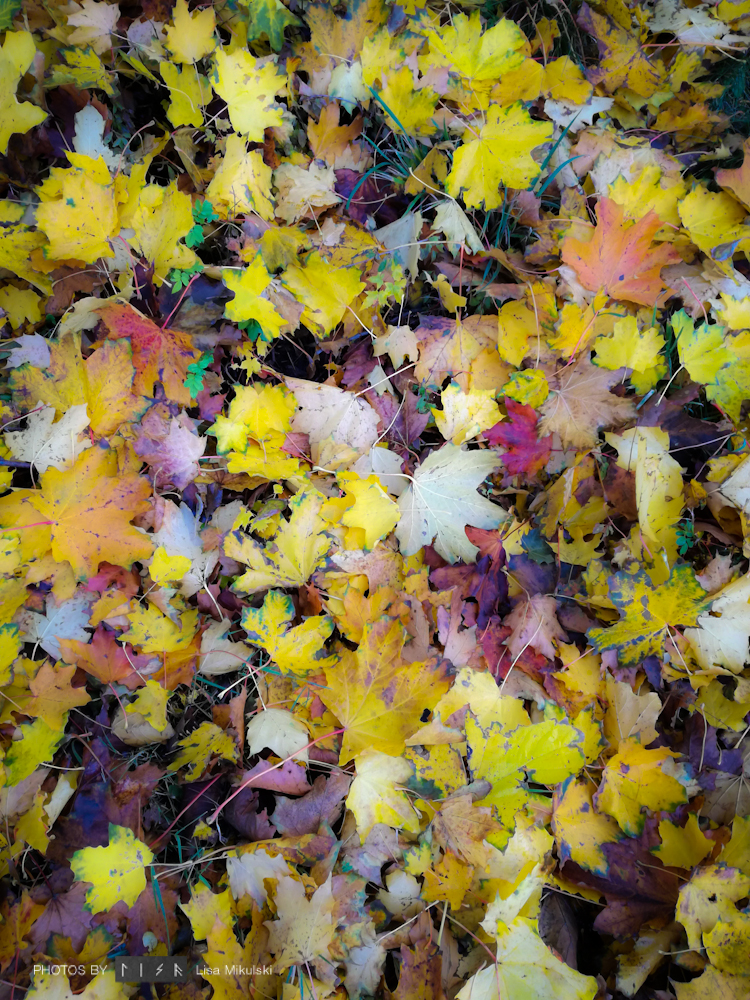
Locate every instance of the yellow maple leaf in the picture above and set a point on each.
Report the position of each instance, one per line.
(152, 631)
(249, 303)
(374, 796)
(476, 56)
(52, 695)
(81, 218)
(297, 550)
(408, 110)
(116, 872)
(548, 752)
(708, 897)
(89, 508)
(650, 191)
(249, 88)
(366, 688)
(449, 880)
(161, 217)
(207, 741)
(373, 510)
(299, 650)
(499, 155)
(648, 612)
(714, 220)
(103, 382)
(658, 485)
(628, 347)
(637, 779)
(166, 569)
(526, 968)
(465, 414)
(15, 58)
(242, 184)
(190, 37)
(189, 93)
(682, 846)
(150, 704)
(580, 831)
(324, 290)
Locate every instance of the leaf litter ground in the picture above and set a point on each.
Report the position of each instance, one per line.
(375, 511)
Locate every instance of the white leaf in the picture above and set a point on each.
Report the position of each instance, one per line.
(574, 117)
(45, 444)
(179, 536)
(89, 137)
(278, 730)
(329, 414)
(67, 620)
(247, 872)
(32, 348)
(220, 655)
(442, 500)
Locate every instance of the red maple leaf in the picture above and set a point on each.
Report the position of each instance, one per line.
(525, 452)
(158, 355)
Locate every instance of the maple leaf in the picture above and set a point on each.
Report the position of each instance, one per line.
(248, 303)
(580, 404)
(525, 453)
(365, 688)
(648, 613)
(190, 37)
(303, 931)
(326, 291)
(721, 638)
(102, 658)
(526, 967)
(636, 779)
(462, 828)
(296, 551)
(158, 355)
(249, 88)
(196, 750)
(61, 620)
(485, 580)
(116, 872)
(44, 444)
(102, 382)
(500, 155)
(623, 61)
(15, 58)
(620, 258)
(375, 797)
(548, 752)
(241, 183)
(441, 501)
(90, 509)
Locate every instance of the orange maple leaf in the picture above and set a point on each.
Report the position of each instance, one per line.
(620, 259)
(103, 658)
(738, 180)
(158, 355)
(87, 510)
(53, 695)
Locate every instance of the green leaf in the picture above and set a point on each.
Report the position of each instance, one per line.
(8, 10)
(197, 372)
(269, 18)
